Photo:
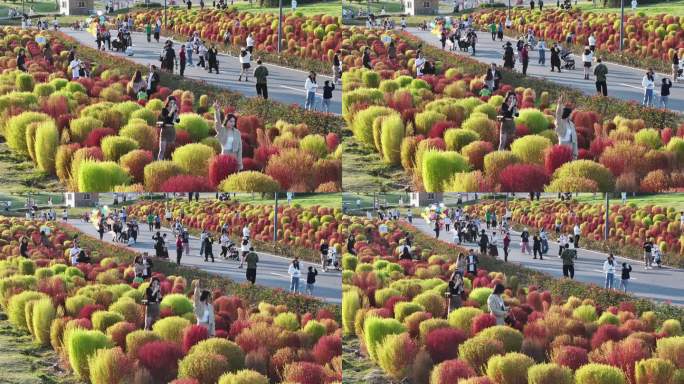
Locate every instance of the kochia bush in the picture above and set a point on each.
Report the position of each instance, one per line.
(249, 181)
(244, 376)
(510, 368)
(456, 138)
(438, 166)
(426, 119)
(110, 366)
(193, 158)
(672, 349)
(376, 329)
(15, 129)
(196, 126)
(599, 374)
(549, 374)
(81, 127)
(100, 176)
(396, 353)
(206, 368)
(80, 345)
(134, 163)
(648, 137)
(654, 370)
(534, 120)
(47, 141)
(462, 318)
(392, 135)
(171, 328)
(523, 178)
(314, 144)
(144, 135)
(235, 357)
(530, 148)
(589, 170)
(478, 350)
(451, 371)
(157, 172)
(113, 147)
(16, 312)
(160, 358)
(363, 123)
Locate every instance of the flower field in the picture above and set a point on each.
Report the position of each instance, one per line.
(300, 230)
(650, 41)
(91, 314)
(445, 136)
(566, 332)
(630, 225)
(92, 136)
(309, 42)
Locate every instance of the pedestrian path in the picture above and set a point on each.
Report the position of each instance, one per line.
(271, 269)
(623, 82)
(285, 85)
(659, 284)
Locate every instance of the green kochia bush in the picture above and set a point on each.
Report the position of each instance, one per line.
(15, 130)
(103, 319)
(126, 108)
(405, 308)
(648, 137)
(586, 313)
(287, 320)
(480, 295)
(462, 318)
(74, 304)
(110, 366)
(15, 309)
(314, 329)
(81, 127)
(376, 329)
(171, 328)
(24, 82)
(396, 354)
(43, 314)
(196, 126)
(47, 141)
(157, 172)
(371, 79)
(534, 120)
(426, 119)
(439, 166)
(510, 337)
(113, 147)
(178, 303)
(244, 376)
(455, 139)
(587, 169)
(362, 126)
(530, 148)
(549, 374)
(478, 350)
(672, 349)
(80, 345)
(146, 114)
(654, 370)
(510, 368)
(392, 133)
(314, 144)
(599, 374)
(248, 181)
(205, 368)
(350, 304)
(495, 162)
(137, 339)
(234, 355)
(100, 176)
(193, 158)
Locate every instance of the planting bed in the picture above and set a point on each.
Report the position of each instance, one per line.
(650, 41)
(445, 136)
(630, 225)
(94, 138)
(562, 331)
(91, 315)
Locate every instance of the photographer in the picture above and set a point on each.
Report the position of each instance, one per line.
(509, 110)
(496, 305)
(455, 291)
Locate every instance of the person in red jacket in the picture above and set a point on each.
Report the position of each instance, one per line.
(506, 245)
(525, 58)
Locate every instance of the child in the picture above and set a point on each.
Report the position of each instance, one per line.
(328, 88)
(485, 92)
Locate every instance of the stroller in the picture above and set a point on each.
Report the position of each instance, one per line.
(568, 60)
(233, 252)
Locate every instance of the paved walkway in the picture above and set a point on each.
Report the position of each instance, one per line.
(285, 85)
(659, 284)
(271, 270)
(623, 82)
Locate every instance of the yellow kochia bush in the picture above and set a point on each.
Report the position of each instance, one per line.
(47, 141)
(426, 119)
(438, 166)
(362, 125)
(15, 130)
(113, 147)
(392, 133)
(193, 158)
(530, 148)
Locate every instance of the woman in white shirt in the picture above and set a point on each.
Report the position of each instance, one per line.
(204, 309)
(648, 83)
(310, 86)
(496, 305)
(447, 223)
(295, 274)
(228, 135)
(587, 58)
(609, 270)
(250, 43)
(75, 66)
(562, 241)
(565, 128)
(245, 63)
(420, 64)
(225, 242)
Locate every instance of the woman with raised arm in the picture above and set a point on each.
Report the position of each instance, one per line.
(227, 134)
(565, 128)
(167, 121)
(204, 309)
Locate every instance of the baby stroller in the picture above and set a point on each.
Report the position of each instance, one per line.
(233, 252)
(568, 60)
(463, 44)
(118, 45)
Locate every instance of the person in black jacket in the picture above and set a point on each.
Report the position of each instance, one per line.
(212, 59)
(311, 280)
(152, 81)
(626, 270)
(23, 247)
(158, 244)
(509, 56)
(21, 60)
(351, 242)
(484, 242)
(328, 89)
(324, 254)
(153, 297)
(366, 59)
(493, 77)
(536, 246)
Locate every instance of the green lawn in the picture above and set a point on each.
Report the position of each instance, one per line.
(332, 200)
(375, 7)
(332, 8)
(675, 200)
(38, 6)
(364, 171)
(19, 174)
(675, 8)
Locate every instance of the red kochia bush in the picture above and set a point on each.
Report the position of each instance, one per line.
(187, 183)
(220, 166)
(89, 309)
(305, 373)
(185, 381)
(482, 321)
(439, 127)
(332, 141)
(442, 343)
(571, 357)
(534, 300)
(604, 333)
(161, 359)
(523, 178)
(118, 332)
(451, 371)
(192, 335)
(326, 348)
(95, 136)
(556, 156)
(135, 162)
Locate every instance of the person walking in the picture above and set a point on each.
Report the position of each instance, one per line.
(675, 67)
(665, 86)
(544, 237)
(509, 56)
(536, 246)
(472, 39)
(648, 83)
(203, 307)
(188, 52)
(310, 87)
(153, 296)
(437, 228)
(148, 31)
(208, 247)
(624, 281)
(202, 54)
(541, 48)
(323, 251)
(496, 305)
(179, 248)
(555, 58)
(366, 58)
(472, 262)
(185, 236)
(483, 243)
(167, 124)
(260, 74)
(506, 245)
(152, 81)
(568, 256)
(328, 89)
(311, 280)
(493, 77)
(587, 58)
(252, 259)
(565, 128)
(250, 43)
(337, 65)
(181, 60)
(508, 112)
(492, 30)
(577, 232)
(600, 72)
(294, 273)
(500, 31)
(212, 59)
(648, 249)
(244, 250)
(494, 245)
(228, 134)
(455, 291)
(224, 241)
(443, 38)
(609, 270)
(157, 31)
(245, 63)
(525, 241)
(525, 58)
